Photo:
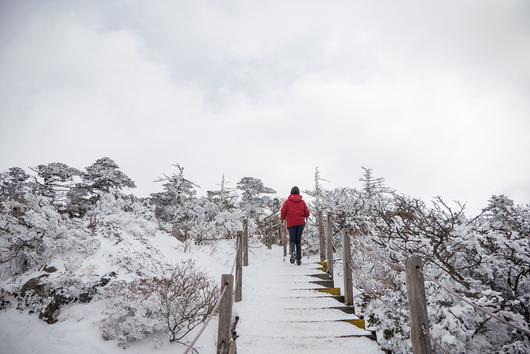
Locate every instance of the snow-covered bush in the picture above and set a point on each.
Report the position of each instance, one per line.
(193, 219)
(485, 259)
(133, 313)
(175, 303)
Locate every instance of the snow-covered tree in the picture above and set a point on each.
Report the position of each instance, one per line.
(55, 180)
(255, 197)
(14, 184)
(175, 204)
(105, 174)
(225, 197)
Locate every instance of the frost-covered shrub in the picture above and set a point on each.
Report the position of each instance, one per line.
(175, 304)
(485, 260)
(187, 297)
(134, 312)
(5, 299)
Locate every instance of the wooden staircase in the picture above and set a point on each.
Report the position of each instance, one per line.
(297, 309)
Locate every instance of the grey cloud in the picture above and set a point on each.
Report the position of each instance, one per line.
(433, 96)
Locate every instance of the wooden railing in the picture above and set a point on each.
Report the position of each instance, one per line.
(231, 291)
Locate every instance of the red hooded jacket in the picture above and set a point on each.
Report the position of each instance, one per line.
(294, 210)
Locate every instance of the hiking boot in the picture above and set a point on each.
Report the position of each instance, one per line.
(299, 262)
(292, 260)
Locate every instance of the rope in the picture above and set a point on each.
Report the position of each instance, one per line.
(436, 343)
(216, 308)
(381, 300)
(475, 306)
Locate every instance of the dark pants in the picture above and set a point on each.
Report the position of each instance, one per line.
(295, 240)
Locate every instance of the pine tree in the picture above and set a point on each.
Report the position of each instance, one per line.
(57, 180)
(224, 197)
(105, 174)
(371, 185)
(254, 198)
(175, 205)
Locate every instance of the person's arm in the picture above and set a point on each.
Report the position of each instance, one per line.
(283, 212)
(306, 210)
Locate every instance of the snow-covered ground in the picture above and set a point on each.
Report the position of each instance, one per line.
(279, 314)
(77, 330)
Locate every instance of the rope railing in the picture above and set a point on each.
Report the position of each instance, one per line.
(435, 341)
(237, 263)
(385, 304)
(198, 335)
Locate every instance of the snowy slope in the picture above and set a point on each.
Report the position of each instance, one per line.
(124, 244)
(77, 329)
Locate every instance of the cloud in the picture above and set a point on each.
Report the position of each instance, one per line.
(433, 96)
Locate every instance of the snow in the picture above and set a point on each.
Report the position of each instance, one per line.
(279, 313)
(77, 332)
(77, 329)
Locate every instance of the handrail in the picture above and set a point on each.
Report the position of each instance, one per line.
(216, 308)
(218, 303)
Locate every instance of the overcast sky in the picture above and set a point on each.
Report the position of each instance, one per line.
(433, 95)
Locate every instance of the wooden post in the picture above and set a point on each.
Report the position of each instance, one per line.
(232, 348)
(329, 248)
(284, 239)
(245, 242)
(321, 236)
(419, 321)
(346, 257)
(269, 238)
(239, 267)
(225, 314)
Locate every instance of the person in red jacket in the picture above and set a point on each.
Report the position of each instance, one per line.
(295, 211)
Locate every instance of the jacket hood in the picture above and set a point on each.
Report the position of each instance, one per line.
(297, 198)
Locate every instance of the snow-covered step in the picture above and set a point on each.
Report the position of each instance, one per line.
(250, 328)
(300, 292)
(306, 345)
(314, 314)
(314, 301)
